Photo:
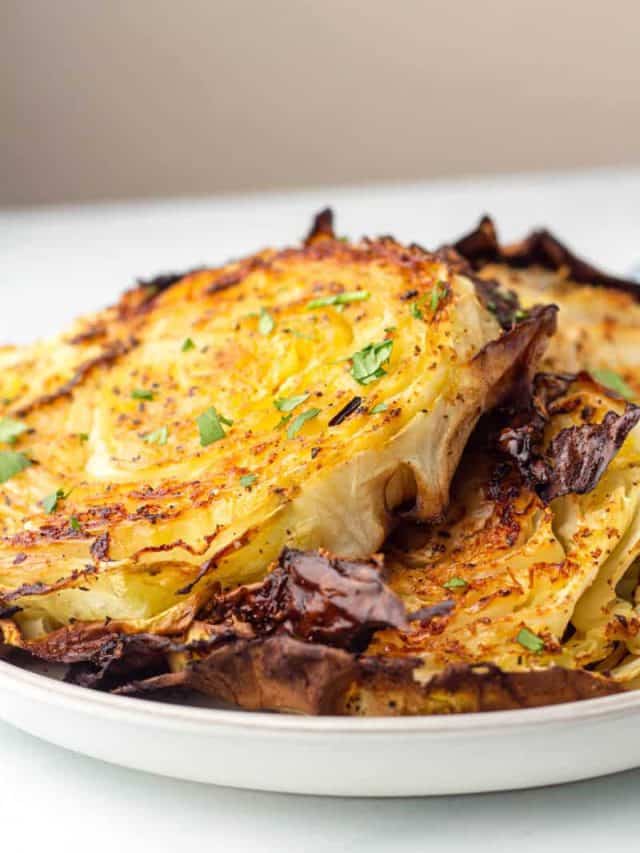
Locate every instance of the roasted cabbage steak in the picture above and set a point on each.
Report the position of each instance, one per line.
(177, 442)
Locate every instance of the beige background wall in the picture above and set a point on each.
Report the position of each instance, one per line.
(103, 98)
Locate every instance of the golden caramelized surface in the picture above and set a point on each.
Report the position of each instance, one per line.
(204, 422)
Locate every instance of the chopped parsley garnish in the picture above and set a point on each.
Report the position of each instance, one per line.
(158, 436)
(187, 345)
(10, 429)
(390, 329)
(415, 311)
(300, 420)
(210, 426)
(379, 407)
(367, 363)
(529, 640)
(338, 299)
(83, 436)
(11, 463)
(50, 503)
(74, 524)
(520, 314)
(248, 480)
(288, 404)
(284, 420)
(438, 293)
(142, 394)
(266, 323)
(614, 381)
(455, 583)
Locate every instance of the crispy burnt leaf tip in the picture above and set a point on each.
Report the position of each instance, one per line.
(97, 656)
(318, 599)
(118, 658)
(480, 246)
(321, 228)
(578, 456)
(524, 343)
(540, 248)
(504, 304)
(468, 255)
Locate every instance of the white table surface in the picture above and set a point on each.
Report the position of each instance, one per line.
(57, 262)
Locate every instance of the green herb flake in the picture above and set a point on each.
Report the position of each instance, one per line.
(266, 323)
(438, 293)
(415, 311)
(390, 329)
(83, 436)
(248, 480)
(455, 583)
(529, 640)
(300, 420)
(50, 503)
(338, 299)
(10, 429)
(520, 314)
(158, 436)
(284, 420)
(187, 345)
(12, 463)
(379, 407)
(141, 394)
(614, 381)
(288, 404)
(210, 426)
(74, 524)
(367, 363)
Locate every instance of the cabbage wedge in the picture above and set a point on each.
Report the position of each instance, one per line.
(175, 443)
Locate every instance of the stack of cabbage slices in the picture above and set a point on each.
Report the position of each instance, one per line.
(338, 478)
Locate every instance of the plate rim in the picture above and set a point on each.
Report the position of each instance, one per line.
(174, 715)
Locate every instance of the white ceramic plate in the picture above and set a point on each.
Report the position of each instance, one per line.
(331, 755)
(57, 263)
